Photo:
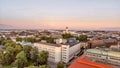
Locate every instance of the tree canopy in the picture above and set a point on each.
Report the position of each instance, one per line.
(43, 57)
(21, 60)
(44, 66)
(67, 35)
(22, 56)
(27, 50)
(82, 38)
(19, 39)
(29, 39)
(60, 65)
(1, 40)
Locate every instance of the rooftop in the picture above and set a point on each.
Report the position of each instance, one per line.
(79, 63)
(57, 45)
(103, 52)
(72, 42)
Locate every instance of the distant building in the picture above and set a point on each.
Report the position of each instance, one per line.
(100, 42)
(115, 47)
(104, 55)
(60, 52)
(66, 31)
(25, 43)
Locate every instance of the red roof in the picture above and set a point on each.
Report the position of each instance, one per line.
(79, 63)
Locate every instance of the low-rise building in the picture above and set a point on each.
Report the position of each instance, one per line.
(104, 55)
(25, 43)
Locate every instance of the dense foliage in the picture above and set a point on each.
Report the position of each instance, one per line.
(60, 65)
(48, 39)
(22, 56)
(82, 38)
(19, 39)
(67, 35)
(1, 40)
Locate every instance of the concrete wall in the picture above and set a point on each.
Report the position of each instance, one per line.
(74, 50)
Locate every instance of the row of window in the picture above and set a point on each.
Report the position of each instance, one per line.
(115, 58)
(51, 50)
(96, 55)
(52, 57)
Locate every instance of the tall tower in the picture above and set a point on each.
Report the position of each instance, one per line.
(66, 30)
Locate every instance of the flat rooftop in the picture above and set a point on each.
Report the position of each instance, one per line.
(57, 45)
(72, 42)
(103, 52)
(79, 63)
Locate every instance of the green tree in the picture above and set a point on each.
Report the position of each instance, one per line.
(21, 60)
(32, 67)
(60, 65)
(7, 42)
(44, 66)
(43, 57)
(27, 50)
(34, 54)
(12, 44)
(50, 40)
(43, 38)
(2, 57)
(30, 39)
(10, 51)
(82, 38)
(67, 35)
(1, 41)
(19, 39)
(8, 38)
(18, 48)
(9, 55)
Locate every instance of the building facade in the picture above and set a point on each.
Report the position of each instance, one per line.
(105, 56)
(59, 52)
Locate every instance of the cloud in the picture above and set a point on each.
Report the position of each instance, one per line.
(72, 23)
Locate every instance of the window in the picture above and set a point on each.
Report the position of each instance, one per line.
(64, 57)
(115, 58)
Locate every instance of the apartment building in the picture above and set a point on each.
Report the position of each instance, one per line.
(60, 52)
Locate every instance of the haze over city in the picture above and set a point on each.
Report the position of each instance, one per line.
(59, 33)
(54, 14)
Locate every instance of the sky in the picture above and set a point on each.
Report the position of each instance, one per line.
(57, 14)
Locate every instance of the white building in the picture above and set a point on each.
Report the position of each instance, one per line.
(59, 52)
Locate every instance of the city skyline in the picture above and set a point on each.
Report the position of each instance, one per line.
(52, 14)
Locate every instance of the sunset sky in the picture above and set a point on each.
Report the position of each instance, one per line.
(57, 14)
